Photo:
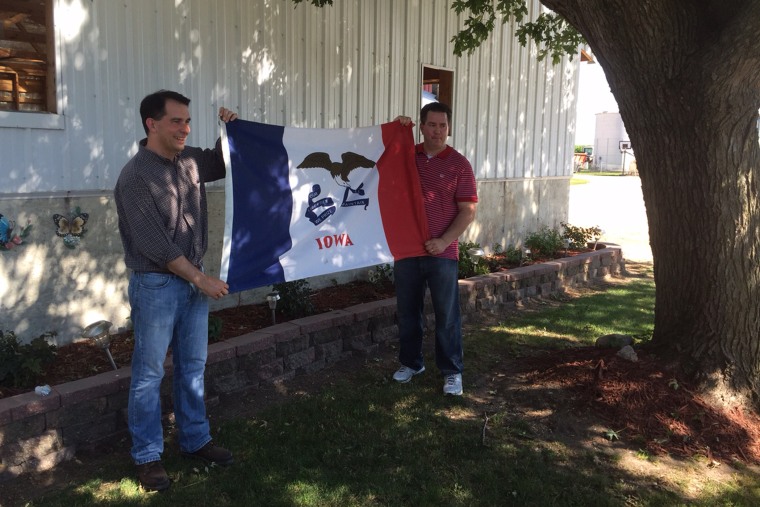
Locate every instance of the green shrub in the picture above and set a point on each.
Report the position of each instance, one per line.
(295, 300)
(580, 237)
(467, 263)
(381, 274)
(513, 254)
(20, 365)
(545, 242)
(501, 258)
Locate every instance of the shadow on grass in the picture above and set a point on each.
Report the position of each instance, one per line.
(580, 321)
(372, 442)
(367, 441)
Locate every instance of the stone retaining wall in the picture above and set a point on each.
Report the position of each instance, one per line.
(37, 433)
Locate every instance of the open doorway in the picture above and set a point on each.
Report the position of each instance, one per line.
(437, 85)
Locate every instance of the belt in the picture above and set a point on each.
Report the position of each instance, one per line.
(199, 267)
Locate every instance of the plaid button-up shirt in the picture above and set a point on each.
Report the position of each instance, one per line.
(162, 206)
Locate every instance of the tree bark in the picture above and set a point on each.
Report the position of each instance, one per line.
(686, 76)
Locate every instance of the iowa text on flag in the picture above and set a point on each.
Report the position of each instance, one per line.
(307, 202)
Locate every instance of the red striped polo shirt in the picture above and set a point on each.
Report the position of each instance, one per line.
(446, 179)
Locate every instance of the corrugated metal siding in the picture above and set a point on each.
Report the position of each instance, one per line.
(354, 64)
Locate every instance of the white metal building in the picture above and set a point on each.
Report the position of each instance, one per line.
(357, 63)
(612, 146)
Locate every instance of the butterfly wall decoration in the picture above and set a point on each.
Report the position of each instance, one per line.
(71, 228)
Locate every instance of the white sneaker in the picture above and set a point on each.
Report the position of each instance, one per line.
(452, 384)
(405, 374)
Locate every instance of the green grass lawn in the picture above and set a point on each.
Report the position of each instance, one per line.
(372, 442)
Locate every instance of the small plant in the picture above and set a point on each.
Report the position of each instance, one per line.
(21, 364)
(580, 237)
(545, 242)
(612, 435)
(294, 298)
(500, 258)
(469, 265)
(381, 274)
(214, 328)
(513, 255)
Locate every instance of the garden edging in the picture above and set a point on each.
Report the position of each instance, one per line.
(37, 433)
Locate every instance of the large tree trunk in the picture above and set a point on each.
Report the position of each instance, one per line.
(686, 77)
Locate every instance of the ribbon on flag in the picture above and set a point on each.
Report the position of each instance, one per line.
(306, 202)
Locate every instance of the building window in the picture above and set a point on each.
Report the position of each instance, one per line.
(27, 64)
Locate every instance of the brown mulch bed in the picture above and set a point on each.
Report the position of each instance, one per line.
(84, 358)
(646, 402)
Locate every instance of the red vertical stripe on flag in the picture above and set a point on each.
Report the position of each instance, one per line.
(400, 195)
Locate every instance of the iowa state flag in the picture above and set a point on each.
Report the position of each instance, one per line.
(307, 202)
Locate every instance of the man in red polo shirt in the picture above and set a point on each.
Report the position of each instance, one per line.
(451, 199)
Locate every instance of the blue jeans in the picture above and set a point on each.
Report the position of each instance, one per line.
(167, 311)
(412, 276)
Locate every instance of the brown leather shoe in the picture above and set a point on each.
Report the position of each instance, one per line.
(211, 454)
(153, 476)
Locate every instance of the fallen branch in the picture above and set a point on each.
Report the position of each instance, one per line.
(485, 426)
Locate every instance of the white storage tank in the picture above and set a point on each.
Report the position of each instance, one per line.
(612, 147)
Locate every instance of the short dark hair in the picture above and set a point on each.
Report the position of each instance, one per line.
(154, 105)
(436, 107)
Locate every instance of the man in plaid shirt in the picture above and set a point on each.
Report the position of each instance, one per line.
(161, 202)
